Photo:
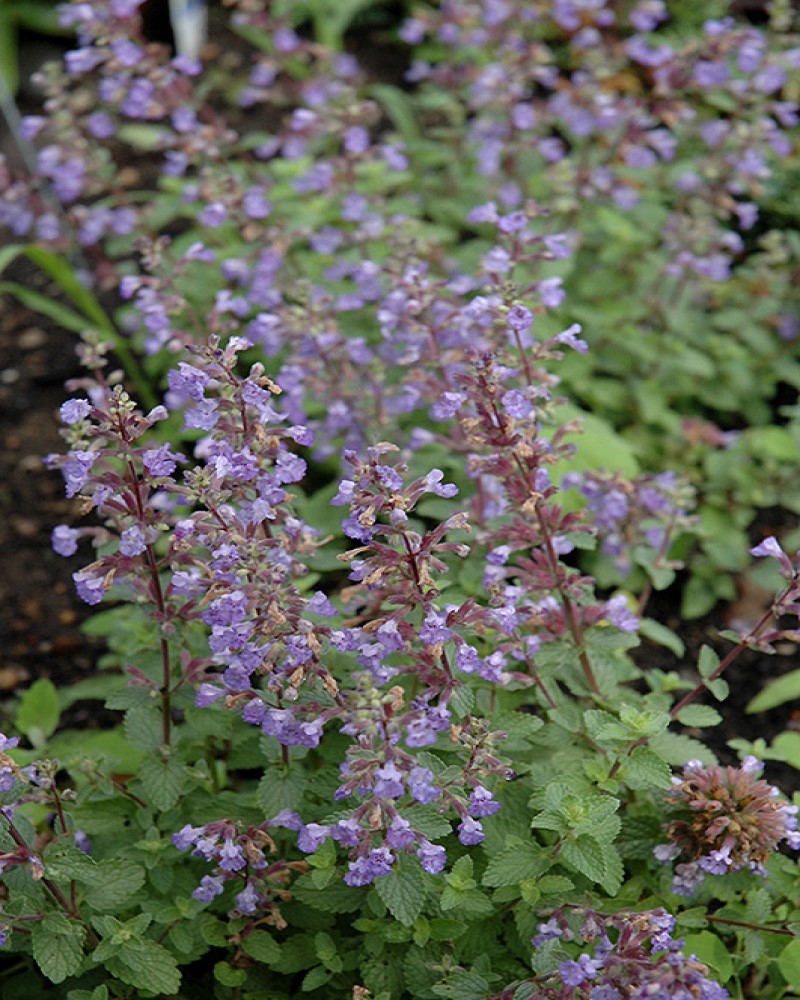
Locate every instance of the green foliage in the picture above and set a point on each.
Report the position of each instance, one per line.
(38, 712)
(582, 746)
(38, 16)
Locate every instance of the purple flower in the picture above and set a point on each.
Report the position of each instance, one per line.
(226, 610)
(646, 15)
(400, 834)
(255, 203)
(231, 857)
(213, 215)
(187, 382)
(390, 781)
(483, 213)
(287, 819)
(160, 461)
(210, 887)
(512, 223)
(74, 410)
(619, 614)
(434, 629)
(470, 831)
(311, 836)
(248, 899)
(320, 605)
(365, 870)
(710, 74)
(65, 540)
(432, 857)
(412, 31)
(207, 694)
(516, 404)
(728, 818)
(204, 416)
(447, 405)
(481, 802)
(420, 784)
(90, 586)
(356, 139)
(187, 836)
(132, 541)
(519, 318)
(431, 482)
(770, 546)
(575, 973)
(571, 339)
(497, 261)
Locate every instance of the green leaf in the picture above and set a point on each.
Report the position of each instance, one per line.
(712, 952)
(336, 897)
(146, 965)
(58, 946)
(759, 907)
(262, 946)
(397, 105)
(113, 883)
(427, 821)
(708, 662)
(719, 688)
(163, 781)
(644, 723)
(786, 747)
(38, 712)
(446, 929)
(789, 962)
(469, 902)
(98, 993)
(699, 716)
(462, 985)
(643, 768)
(461, 875)
(9, 69)
(45, 306)
(587, 856)
(144, 727)
(676, 749)
(404, 890)
(777, 692)
(280, 790)
(664, 636)
(597, 446)
(39, 17)
(317, 977)
(515, 864)
(555, 885)
(68, 862)
(227, 975)
(615, 871)
(64, 276)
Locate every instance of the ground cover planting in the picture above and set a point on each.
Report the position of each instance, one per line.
(427, 353)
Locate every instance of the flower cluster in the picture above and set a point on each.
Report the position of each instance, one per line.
(239, 857)
(641, 513)
(730, 819)
(534, 79)
(634, 956)
(343, 523)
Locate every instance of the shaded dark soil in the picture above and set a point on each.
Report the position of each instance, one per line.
(39, 614)
(746, 676)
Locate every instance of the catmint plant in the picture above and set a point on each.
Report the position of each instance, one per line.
(372, 551)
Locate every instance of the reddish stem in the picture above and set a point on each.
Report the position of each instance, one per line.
(751, 636)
